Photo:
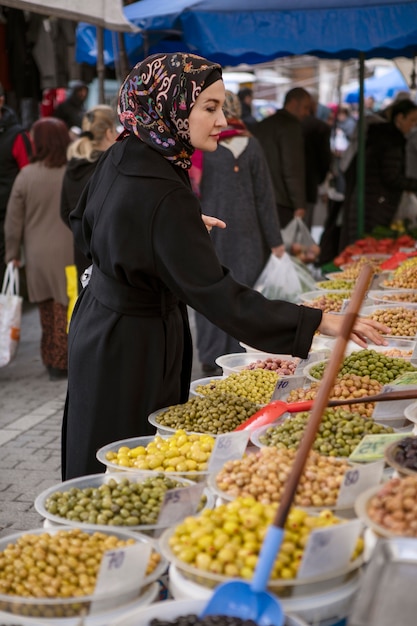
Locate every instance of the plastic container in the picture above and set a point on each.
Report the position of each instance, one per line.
(281, 587)
(389, 456)
(381, 296)
(307, 370)
(361, 509)
(95, 481)
(75, 606)
(405, 346)
(411, 412)
(231, 363)
(133, 442)
(326, 607)
(171, 609)
(369, 310)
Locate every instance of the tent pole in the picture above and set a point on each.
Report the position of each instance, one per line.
(360, 188)
(100, 64)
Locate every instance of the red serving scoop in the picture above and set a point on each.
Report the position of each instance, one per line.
(274, 410)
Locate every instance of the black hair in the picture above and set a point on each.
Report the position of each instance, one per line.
(298, 93)
(403, 107)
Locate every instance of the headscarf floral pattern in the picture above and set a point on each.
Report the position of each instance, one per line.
(156, 99)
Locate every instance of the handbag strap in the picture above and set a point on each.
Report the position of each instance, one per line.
(11, 280)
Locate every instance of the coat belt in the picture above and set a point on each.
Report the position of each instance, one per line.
(129, 300)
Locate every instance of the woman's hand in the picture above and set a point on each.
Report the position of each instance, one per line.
(363, 330)
(212, 221)
(278, 251)
(16, 262)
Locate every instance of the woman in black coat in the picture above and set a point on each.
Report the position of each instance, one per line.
(139, 221)
(385, 178)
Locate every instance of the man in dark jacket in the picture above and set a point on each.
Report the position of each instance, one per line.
(281, 137)
(318, 157)
(15, 152)
(71, 111)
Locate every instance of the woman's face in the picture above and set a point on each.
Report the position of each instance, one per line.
(207, 118)
(405, 123)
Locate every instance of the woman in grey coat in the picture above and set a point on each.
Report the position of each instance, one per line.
(34, 226)
(235, 186)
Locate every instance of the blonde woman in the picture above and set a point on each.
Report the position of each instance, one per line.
(98, 133)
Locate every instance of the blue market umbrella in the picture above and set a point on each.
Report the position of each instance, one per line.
(381, 87)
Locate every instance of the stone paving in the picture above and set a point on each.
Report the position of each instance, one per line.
(31, 408)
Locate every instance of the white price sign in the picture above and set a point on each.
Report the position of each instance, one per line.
(178, 503)
(285, 385)
(122, 572)
(329, 549)
(228, 447)
(358, 479)
(395, 408)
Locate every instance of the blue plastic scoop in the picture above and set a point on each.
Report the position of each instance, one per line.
(251, 600)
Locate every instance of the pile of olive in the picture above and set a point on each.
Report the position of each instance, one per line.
(346, 386)
(404, 277)
(378, 366)
(336, 284)
(263, 475)
(215, 414)
(181, 452)
(255, 385)
(227, 539)
(61, 565)
(406, 453)
(401, 321)
(406, 296)
(284, 367)
(208, 620)
(115, 503)
(394, 506)
(339, 433)
(330, 302)
(352, 270)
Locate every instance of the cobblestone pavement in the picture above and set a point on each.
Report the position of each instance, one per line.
(31, 408)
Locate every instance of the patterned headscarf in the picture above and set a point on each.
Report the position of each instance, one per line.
(232, 108)
(157, 96)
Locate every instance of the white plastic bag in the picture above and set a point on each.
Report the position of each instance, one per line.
(297, 231)
(10, 315)
(279, 279)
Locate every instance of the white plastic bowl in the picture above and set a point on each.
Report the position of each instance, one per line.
(369, 310)
(236, 362)
(380, 296)
(201, 381)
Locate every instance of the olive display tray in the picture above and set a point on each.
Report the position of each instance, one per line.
(69, 607)
(237, 361)
(96, 480)
(368, 310)
(202, 381)
(167, 431)
(133, 442)
(361, 510)
(212, 484)
(389, 454)
(378, 297)
(281, 587)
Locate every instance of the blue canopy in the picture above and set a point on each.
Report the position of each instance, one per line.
(381, 87)
(254, 31)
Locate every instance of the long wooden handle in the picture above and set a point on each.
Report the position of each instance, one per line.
(322, 399)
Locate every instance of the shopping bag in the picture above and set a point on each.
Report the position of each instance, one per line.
(279, 279)
(407, 208)
(10, 315)
(299, 241)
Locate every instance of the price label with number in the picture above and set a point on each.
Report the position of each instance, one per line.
(329, 549)
(372, 447)
(228, 447)
(285, 385)
(178, 503)
(122, 572)
(358, 479)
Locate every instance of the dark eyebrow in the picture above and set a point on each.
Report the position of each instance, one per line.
(214, 100)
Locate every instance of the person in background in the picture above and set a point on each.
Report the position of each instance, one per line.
(72, 110)
(236, 187)
(33, 226)
(318, 156)
(281, 137)
(130, 349)
(99, 132)
(245, 96)
(15, 152)
(385, 177)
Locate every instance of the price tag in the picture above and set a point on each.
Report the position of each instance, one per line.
(329, 549)
(358, 479)
(345, 304)
(285, 385)
(372, 447)
(122, 572)
(178, 503)
(395, 408)
(228, 447)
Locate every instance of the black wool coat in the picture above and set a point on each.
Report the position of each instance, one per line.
(129, 343)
